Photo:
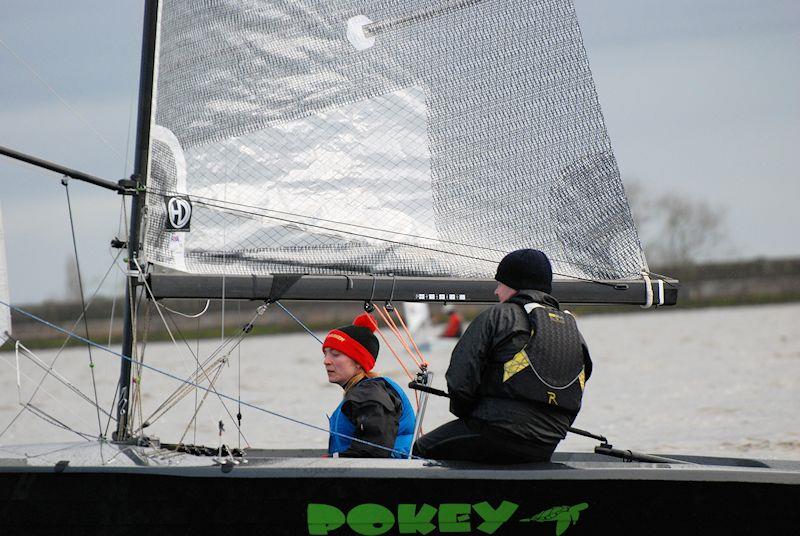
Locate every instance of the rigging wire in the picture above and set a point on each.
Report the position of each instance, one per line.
(65, 182)
(137, 367)
(208, 201)
(360, 235)
(193, 420)
(181, 392)
(73, 446)
(55, 422)
(169, 331)
(51, 396)
(61, 379)
(60, 98)
(300, 322)
(64, 344)
(176, 378)
(116, 274)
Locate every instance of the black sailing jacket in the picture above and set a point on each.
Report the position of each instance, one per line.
(496, 335)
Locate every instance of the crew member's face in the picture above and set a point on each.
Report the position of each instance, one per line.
(504, 292)
(340, 368)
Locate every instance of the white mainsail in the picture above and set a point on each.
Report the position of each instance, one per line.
(459, 131)
(5, 312)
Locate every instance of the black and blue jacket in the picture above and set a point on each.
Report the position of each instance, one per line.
(374, 410)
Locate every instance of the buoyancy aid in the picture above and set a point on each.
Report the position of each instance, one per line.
(549, 368)
(340, 424)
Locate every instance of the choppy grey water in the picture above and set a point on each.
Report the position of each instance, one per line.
(720, 381)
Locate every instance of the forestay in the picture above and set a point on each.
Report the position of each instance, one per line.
(408, 137)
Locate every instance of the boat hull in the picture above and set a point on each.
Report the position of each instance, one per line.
(317, 496)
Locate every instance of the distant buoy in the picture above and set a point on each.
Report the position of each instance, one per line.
(355, 32)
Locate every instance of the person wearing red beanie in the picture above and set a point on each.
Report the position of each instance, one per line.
(375, 418)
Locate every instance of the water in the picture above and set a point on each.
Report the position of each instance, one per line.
(719, 381)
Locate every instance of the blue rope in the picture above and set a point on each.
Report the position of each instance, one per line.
(169, 375)
(288, 312)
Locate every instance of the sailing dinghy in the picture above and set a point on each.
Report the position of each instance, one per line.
(376, 152)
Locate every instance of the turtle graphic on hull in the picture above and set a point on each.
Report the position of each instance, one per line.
(564, 516)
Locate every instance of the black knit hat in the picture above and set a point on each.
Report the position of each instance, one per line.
(526, 269)
(357, 341)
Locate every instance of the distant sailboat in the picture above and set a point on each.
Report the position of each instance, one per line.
(418, 320)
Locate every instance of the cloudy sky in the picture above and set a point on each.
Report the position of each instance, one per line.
(700, 97)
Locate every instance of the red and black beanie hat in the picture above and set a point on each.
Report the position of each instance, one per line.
(357, 341)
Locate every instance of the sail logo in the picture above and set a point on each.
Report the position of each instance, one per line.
(179, 213)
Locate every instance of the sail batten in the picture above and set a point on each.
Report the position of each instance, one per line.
(461, 130)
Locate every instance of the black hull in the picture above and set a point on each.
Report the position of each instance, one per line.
(620, 499)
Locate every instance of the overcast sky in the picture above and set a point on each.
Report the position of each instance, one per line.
(700, 97)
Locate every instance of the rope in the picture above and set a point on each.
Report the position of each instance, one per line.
(178, 379)
(423, 362)
(387, 319)
(198, 315)
(288, 312)
(393, 327)
(397, 357)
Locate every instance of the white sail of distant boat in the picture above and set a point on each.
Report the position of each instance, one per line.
(5, 312)
(418, 321)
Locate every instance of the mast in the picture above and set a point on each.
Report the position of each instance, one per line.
(146, 77)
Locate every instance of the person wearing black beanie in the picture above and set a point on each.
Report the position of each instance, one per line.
(516, 376)
(375, 418)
